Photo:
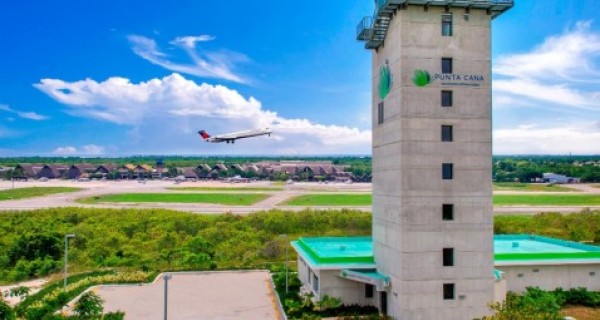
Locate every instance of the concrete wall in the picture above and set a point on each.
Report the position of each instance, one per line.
(408, 190)
(500, 289)
(331, 284)
(550, 277)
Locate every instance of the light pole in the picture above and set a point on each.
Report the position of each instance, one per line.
(67, 237)
(286, 262)
(166, 277)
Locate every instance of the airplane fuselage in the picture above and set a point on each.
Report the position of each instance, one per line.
(231, 137)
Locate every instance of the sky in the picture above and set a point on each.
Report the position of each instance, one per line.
(115, 78)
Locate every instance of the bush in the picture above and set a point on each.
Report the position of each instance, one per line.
(6, 312)
(578, 296)
(118, 315)
(89, 306)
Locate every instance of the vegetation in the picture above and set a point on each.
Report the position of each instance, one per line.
(179, 161)
(531, 187)
(536, 304)
(32, 242)
(547, 200)
(30, 192)
(43, 304)
(527, 168)
(236, 189)
(582, 226)
(237, 199)
(89, 306)
(6, 312)
(331, 200)
(505, 168)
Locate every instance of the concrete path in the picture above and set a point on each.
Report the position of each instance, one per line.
(196, 296)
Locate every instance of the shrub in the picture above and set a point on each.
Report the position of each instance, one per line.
(89, 306)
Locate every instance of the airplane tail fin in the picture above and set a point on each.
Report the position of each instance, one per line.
(203, 134)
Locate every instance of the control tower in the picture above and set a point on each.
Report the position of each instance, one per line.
(432, 155)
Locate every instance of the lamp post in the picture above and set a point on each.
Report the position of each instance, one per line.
(166, 277)
(286, 263)
(67, 237)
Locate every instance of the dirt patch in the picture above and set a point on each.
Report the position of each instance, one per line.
(581, 313)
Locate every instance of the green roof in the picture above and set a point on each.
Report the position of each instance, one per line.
(335, 252)
(531, 248)
(357, 252)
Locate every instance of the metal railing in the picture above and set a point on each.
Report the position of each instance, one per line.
(364, 27)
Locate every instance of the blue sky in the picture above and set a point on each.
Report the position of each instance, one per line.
(141, 77)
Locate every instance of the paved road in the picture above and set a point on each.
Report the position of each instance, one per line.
(278, 197)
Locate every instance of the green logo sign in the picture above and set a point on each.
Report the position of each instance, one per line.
(385, 81)
(421, 78)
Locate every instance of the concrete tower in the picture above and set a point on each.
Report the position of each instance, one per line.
(432, 155)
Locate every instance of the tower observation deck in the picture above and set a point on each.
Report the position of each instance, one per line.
(373, 29)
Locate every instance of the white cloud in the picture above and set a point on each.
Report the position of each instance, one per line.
(119, 101)
(190, 41)
(561, 72)
(68, 150)
(166, 113)
(90, 149)
(21, 114)
(204, 63)
(576, 138)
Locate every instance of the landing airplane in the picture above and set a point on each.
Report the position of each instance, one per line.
(231, 137)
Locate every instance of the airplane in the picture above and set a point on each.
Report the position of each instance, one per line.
(231, 137)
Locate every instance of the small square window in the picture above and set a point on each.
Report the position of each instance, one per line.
(447, 171)
(380, 113)
(447, 212)
(446, 98)
(446, 65)
(447, 134)
(448, 257)
(449, 291)
(369, 290)
(447, 25)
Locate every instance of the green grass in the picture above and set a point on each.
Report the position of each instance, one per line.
(331, 200)
(547, 200)
(236, 189)
(241, 199)
(30, 192)
(530, 187)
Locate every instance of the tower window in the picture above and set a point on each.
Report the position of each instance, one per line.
(446, 98)
(448, 257)
(448, 291)
(315, 283)
(380, 113)
(447, 212)
(447, 171)
(446, 65)
(447, 25)
(447, 134)
(368, 290)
